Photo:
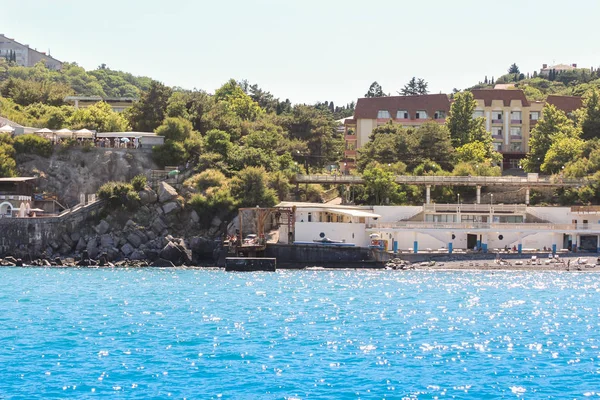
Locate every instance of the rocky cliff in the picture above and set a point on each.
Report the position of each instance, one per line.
(71, 172)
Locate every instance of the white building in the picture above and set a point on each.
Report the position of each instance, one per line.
(26, 56)
(440, 227)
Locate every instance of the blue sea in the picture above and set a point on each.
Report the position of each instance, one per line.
(344, 334)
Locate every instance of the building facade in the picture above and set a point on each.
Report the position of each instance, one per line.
(26, 56)
(449, 227)
(408, 111)
(510, 117)
(118, 104)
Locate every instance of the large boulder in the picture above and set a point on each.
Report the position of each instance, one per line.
(106, 241)
(134, 239)
(158, 226)
(103, 227)
(195, 217)
(162, 263)
(81, 244)
(177, 253)
(170, 207)
(203, 247)
(137, 255)
(127, 249)
(148, 196)
(166, 192)
(92, 247)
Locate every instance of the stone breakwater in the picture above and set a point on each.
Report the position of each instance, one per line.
(161, 230)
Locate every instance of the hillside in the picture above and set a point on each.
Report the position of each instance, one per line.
(67, 174)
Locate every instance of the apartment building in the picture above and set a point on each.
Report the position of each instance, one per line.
(26, 56)
(510, 117)
(408, 111)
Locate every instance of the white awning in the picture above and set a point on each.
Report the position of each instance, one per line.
(353, 213)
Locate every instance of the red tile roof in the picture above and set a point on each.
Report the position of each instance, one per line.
(567, 104)
(367, 108)
(487, 95)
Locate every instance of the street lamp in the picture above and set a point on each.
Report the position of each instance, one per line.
(491, 199)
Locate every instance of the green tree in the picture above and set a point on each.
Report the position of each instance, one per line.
(216, 141)
(590, 125)
(251, 187)
(554, 125)
(8, 166)
(170, 154)
(149, 112)
(461, 124)
(514, 69)
(99, 117)
(432, 142)
(238, 101)
(176, 129)
(375, 90)
(414, 87)
(563, 150)
(380, 185)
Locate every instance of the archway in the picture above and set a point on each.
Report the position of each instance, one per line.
(6, 209)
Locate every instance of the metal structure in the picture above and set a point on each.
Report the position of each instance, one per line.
(449, 180)
(283, 216)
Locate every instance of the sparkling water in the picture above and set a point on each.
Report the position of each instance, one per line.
(157, 333)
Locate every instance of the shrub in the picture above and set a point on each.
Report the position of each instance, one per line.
(139, 182)
(215, 202)
(119, 194)
(210, 178)
(33, 144)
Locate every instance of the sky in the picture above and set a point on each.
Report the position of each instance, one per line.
(310, 50)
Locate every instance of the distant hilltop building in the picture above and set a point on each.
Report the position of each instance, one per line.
(118, 104)
(24, 55)
(545, 71)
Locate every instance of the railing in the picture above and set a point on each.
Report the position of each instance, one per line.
(496, 121)
(585, 209)
(450, 180)
(486, 226)
(16, 197)
(479, 208)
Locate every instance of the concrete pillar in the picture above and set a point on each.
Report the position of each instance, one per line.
(527, 196)
(478, 194)
(427, 194)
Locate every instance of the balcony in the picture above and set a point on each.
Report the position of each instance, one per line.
(516, 121)
(350, 153)
(350, 137)
(498, 136)
(496, 121)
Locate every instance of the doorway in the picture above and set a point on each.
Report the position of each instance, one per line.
(471, 241)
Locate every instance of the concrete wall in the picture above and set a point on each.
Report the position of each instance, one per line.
(32, 236)
(317, 255)
(350, 232)
(396, 213)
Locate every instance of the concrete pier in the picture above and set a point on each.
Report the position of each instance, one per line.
(248, 264)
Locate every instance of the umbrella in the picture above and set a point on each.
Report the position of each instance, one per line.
(7, 129)
(64, 133)
(84, 133)
(36, 210)
(45, 132)
(173, 173)
(126, 140)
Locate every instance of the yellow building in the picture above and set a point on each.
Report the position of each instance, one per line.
(510, 117)
(408, 111)
(118, 104)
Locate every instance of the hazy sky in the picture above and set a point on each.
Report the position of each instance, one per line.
(310, 50)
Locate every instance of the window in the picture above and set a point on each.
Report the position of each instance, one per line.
(497, 132)
(421, 114)
(478, 114)
(515, 117)
(351, 145)
(309, 217)
(516, 146)
(534, 115)
(440, 115)
(514, 163)
(383, 114)
(497, 116)
(497, 146)
(402, 114)
(350, 132)
(515, 132)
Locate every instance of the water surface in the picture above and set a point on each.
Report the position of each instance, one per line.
(156, 333)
